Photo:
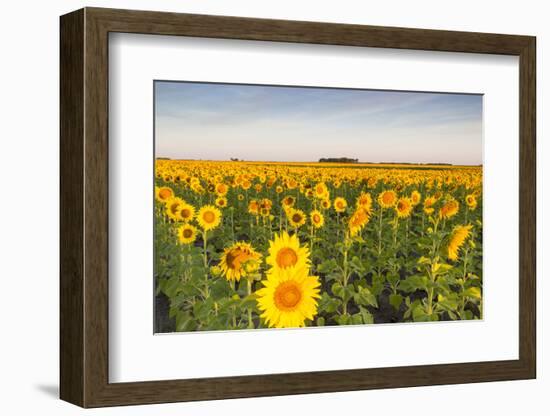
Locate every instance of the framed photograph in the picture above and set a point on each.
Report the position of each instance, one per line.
(255, 207)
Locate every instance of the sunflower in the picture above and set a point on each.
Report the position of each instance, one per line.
(458, 236)
(387, 199)
(235, 260)
(163, 193)
(358, 220)
(209, 217)
(221, 189)
(340, 204)
(187, 233)
(404, 207)
(288, 298)
(325, 203)
(428, 204)
(471, 201)
(415, 197)
(186, 212)
(365, 201)
(321, 190)
(221, 201)
(285, 252)
(296, 217)
(253, 207)
(240, 197)
(317, 219)
(173, 205)
(449, 209)
(278, 189)
(289, 201)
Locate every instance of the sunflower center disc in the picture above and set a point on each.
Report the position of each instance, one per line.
(287, 296)
(209, 217)
(286, 257)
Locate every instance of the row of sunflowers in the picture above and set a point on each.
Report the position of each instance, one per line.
(255, 245)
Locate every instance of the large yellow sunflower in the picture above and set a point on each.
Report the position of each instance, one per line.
(459, 235)
(238, 259)
(403, 208)
(187, 233)
(209, 217)
(288, 298)
(163, 193)
(317, 219)
(296, 217)
(186, 212)
(340, 204)
(285, 252)
(387, 199)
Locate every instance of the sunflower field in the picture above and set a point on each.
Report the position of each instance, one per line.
(244, 245)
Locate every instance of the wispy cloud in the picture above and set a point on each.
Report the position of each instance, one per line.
(219, 121)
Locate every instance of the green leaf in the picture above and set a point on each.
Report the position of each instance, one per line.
(396, 300)
(473, 292)
(338, 290)
(365, 297)
(366, 315)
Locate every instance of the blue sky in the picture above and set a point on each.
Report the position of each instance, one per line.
(272, 123)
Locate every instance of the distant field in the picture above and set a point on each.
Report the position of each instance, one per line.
(246, 245)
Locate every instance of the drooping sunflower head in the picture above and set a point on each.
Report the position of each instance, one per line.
(340, 204)
(471, 201)
(288, 298)
(186, 212)
(449, 209)
(296, 217)
(285, 252)
(209, 217)
(187, 233)
(238, 260)
(457, 239)
(163, 193)
(358, 220)
(404, 207)
(387, 199)
(317, 218)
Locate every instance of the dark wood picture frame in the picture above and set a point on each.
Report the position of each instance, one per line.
(84, 207)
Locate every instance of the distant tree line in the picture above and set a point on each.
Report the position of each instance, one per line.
(338, 160)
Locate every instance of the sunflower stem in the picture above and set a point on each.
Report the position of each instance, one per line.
(204, 239)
